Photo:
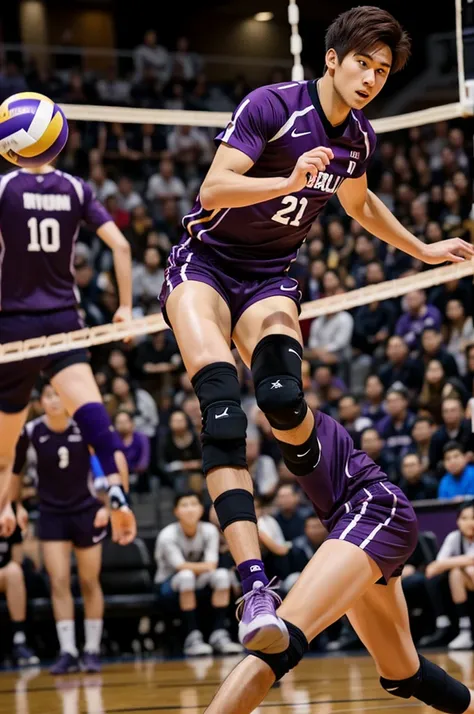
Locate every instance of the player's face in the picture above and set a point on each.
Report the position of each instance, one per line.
(51, 402)
(189, 511)
(466, 522)
(361, 76)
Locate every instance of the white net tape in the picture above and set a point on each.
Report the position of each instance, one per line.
(40, 346)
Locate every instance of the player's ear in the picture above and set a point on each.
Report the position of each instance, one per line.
(331, 60)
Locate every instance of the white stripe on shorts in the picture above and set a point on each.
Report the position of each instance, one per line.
(357, 516)
(183, 269)
(377, 528)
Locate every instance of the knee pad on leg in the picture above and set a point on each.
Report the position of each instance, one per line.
(284, 661)
(235, 505)
(432, 686)
(220, 579)
(185, 581)
(224, 424)
(276, 370)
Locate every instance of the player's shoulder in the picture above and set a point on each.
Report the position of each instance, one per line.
(9, 179)
(169, 533)
(73, 184)
(36, 427)
(453, 539)
(362, 124)
(283, 96)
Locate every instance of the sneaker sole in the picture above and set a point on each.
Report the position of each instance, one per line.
(266, 633)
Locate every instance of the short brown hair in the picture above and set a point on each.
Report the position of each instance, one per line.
(365, 27)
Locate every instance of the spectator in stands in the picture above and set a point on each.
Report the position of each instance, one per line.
(454, 428)
(459, 477)
(452, 290)
(415, 484)
(421, 434)
(373, 322)
(351, 419)
(102, 186)
(459, 332)
(136, 447)
(276, 549)
(153, 58)
(432, 348)
(117, 364)
(330, 338)
(12, 81)
(468, 378)
(417, 316)
(313, 537)
(127, 198)
(456, 556)
(290, 514)
(139, 403)
(12, 585)
(373, 446)
(328, 387)
(185, 65)
(190, 148)
(187, 555)
(180, 454)
(164, 185)
(365, 252)
(395, 429)
(400, 368)
(157, 360)
(112, 89)
(373, 404)
(262, 468)
(436, 387)
(148, 278)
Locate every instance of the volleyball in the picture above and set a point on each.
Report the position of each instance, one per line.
(33, 129)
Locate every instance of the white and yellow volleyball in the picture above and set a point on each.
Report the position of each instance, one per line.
(33, 129)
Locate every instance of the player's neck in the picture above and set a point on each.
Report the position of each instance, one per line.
(58, 423)
(335, 109)
(46, 169)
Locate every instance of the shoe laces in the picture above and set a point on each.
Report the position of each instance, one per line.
(261, 595)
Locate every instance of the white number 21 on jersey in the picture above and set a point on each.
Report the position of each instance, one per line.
(44, 235)
(291, 206)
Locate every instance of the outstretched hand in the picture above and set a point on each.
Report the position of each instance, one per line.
(453, 250)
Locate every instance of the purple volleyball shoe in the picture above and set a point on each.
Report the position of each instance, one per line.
(260, 628)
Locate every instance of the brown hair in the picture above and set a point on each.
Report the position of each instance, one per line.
(364, 28)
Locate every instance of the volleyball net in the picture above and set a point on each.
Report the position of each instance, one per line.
(456, 111)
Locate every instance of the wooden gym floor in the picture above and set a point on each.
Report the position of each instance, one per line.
(319, 686)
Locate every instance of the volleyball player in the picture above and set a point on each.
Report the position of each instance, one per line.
(287, 150)
(71, 518)
(41, 211)
(372, 530)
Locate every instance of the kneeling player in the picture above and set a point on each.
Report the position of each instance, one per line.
(356, 571)
(71, 517)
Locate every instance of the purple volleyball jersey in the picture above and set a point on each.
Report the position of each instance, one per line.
(40, 217)
(62, 465)
(274, 125)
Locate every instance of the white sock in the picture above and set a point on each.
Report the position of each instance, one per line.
(93, 633)
(442, 621)
(464, 623)
(67, 636)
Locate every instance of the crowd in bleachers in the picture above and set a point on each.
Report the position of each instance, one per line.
(397, 374)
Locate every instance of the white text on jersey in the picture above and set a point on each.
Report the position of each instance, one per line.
(46, 202)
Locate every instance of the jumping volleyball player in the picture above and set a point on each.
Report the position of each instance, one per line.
(287, 150)
(41, 210)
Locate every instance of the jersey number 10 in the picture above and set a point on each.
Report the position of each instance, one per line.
(44, 235)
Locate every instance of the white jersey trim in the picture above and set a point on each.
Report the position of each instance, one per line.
(76, 185)
(5, 180)
(231, 126)
(365, 135)
(289, 124)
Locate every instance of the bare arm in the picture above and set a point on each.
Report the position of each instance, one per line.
(375, 217)
(226, 186)
(197, 568)
(441, 566)
(272, 545)
(118, 244)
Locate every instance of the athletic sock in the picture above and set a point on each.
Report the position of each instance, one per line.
(19, 637)
(189, 620)
(67, 637)
(93, 635)
(251, 571)
(463, 615)
(220, 614)
(303, 458)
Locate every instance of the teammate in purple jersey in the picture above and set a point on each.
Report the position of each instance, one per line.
(287, 150)
(70, 517)
(41, 211)
(372, 530)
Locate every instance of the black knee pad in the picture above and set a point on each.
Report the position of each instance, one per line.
(224, 424)
(281, 663)
(235, 505)
(276, 370)
(432, 686)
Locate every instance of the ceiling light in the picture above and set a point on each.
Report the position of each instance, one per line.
(263, 16)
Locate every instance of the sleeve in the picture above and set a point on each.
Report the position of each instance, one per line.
(96, 467)
(443, 491)
(211, 551)
(370, 138)
(450, 547)
(94, 214)
(255, 121)
(171, 550)
(144, 460)
(21, 449)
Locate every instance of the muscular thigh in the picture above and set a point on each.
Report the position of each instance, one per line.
(89, 561)
(57, 559)
(380, 618)
(274, 315)
(201, 323)
(76, 386)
